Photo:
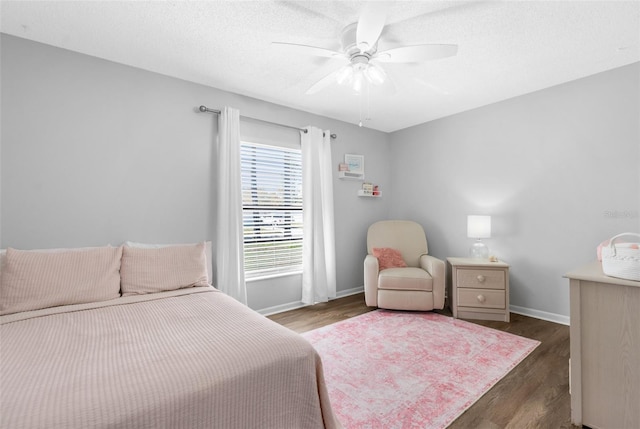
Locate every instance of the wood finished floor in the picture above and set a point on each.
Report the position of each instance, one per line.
(535, 394)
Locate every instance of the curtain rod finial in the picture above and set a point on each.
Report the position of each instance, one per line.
(203, 109)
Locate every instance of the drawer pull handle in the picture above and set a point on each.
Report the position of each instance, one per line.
(481, 298)
(481, 278)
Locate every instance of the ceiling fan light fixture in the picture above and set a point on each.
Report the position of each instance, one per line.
(344, 75)
(375, 74)
(359, 46)
(357, 81)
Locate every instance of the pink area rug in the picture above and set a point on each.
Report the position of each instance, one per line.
(387, 370)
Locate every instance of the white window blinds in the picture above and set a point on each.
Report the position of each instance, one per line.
(271, 209)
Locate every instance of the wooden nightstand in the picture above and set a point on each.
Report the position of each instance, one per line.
(479, 289)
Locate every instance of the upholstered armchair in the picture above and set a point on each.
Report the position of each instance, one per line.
(419, 285)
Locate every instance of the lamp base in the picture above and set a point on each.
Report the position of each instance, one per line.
(479, 250)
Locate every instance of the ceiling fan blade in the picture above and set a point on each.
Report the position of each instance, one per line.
(370, 26)
(295, 48)
(323, 83)
(416, 53)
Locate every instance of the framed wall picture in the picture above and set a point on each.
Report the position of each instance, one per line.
(355, 163)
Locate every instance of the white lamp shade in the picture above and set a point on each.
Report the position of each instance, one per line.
(375, 74)
(478, 226)
(344, 75)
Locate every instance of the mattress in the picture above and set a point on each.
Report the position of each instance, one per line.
(190, 358)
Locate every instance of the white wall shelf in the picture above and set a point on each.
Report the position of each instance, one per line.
(361, 193)
(348, 175)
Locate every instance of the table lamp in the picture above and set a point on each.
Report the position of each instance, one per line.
(479, 227)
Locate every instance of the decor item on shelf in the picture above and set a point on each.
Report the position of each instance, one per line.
(362, 193)
(376, 191)
(367, 188)
(343, 167)
(355, 162)
(479, 227)
(622, 260)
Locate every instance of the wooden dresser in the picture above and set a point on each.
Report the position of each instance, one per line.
(605, 349)
(479, 289)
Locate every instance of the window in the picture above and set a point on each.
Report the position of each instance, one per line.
(271, 209)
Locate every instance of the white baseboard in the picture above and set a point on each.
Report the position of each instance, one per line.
(349, 292)
(298, 304)
(538, 314)
(281, 308)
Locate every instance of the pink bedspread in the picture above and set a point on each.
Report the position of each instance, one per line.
(192, 358)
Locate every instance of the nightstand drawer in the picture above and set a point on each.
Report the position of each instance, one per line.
(480, 279)
(481, 298)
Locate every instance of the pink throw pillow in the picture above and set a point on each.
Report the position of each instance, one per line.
(388, 258)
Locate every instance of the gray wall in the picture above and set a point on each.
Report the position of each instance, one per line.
(558, 170)
(95, 152)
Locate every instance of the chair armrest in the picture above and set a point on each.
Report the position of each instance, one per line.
(371, 269)
(436, 268)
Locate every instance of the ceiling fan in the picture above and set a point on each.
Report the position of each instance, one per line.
(359, 43)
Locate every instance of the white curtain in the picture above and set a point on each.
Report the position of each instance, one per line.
(319, 255)
(229, 232)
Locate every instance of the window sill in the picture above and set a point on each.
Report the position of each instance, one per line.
(272, 276)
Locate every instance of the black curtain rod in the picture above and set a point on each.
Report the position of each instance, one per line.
(205, 109)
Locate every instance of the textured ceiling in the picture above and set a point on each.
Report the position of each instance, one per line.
(506, 48)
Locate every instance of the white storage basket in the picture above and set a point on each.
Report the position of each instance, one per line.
(622, 260)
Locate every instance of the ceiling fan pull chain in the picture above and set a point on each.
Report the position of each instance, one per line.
(368, 117)
(360, 103)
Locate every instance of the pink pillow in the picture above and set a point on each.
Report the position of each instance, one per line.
(167, 268)
(388, 258)
(32, 280)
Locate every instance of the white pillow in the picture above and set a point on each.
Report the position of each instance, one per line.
(207, 251)
(162, 269)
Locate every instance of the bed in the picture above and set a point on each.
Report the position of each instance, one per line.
(188, 357)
